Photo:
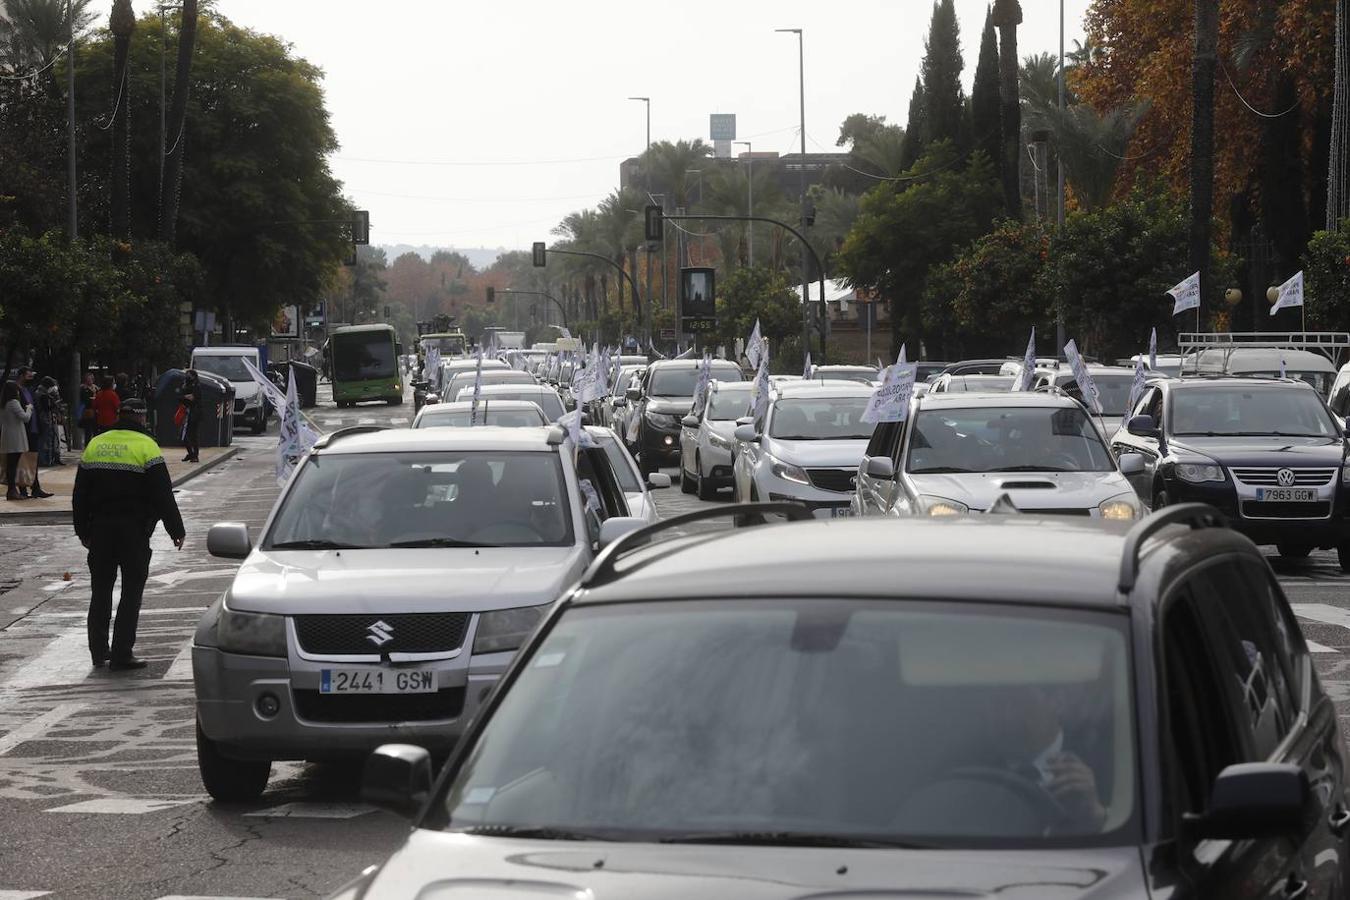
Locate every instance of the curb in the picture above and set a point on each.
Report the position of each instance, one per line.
(58, 516)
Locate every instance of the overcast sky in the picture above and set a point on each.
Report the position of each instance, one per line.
(481, 123)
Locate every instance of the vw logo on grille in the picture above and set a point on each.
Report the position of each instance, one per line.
(381, 633)
(852, 482)
(1285, 477)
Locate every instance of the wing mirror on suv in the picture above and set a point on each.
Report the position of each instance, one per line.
(620, 402)
(689, 421)
(1251, 801)
(228, 540)
(746, 434)
(1131, 464)
(397, 778)
(616, 527)
(1142, 426)
(633, 393)
(658, 480)
(880, 467)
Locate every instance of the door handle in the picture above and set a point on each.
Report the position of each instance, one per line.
(1294, 888)
(1339, 818)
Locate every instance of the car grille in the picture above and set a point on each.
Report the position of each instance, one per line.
(841, 480)
(1268, 476)
(1253, 510)
(406, 633)
(379, 708)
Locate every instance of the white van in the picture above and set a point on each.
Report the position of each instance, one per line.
(250, 407)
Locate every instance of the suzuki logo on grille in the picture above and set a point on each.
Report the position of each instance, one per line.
(1285, 477)
(381, 633)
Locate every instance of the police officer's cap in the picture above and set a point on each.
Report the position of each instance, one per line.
(132, 406)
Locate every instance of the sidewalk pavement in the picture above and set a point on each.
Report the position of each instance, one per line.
(60, 481)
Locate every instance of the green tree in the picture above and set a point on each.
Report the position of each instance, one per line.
(944, 97)
(766, 294)
(1327, 280)
(913, 145)
(986, 117)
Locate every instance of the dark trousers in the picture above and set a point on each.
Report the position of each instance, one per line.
(114, 546)
(190, 440)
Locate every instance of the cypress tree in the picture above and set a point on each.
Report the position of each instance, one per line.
(984, 97)
(944, 98)
(913, 145)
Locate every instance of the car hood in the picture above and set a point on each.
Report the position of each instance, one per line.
(818, 454)
(1265, 451)
(438, 866)
(1028, 490)
(451, 579)
(721, 428)
(670, 406)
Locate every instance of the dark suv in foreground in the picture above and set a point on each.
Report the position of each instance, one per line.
(985, 706)
(1265, 451)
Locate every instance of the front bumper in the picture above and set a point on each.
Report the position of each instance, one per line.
(1327, 531)
(310, 725)
(659, 444)
(715, 464)
(823, 504)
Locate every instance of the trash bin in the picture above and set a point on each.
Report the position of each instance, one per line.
(306, 380)
(216, 428)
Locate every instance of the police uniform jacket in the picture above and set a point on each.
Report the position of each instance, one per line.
(122, 481)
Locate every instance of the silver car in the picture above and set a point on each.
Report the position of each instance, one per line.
(959, 453)
(465, 379)
(394, 579)
(629, 475)
(543, 396)
(492, 412)
(806, 448)
(706, 439)
(1114, 384)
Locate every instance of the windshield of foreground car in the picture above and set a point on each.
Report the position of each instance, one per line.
(380, 500)
(729, 405)
(504, 418)
(1006, 439)
(914, 722)
(820, 419)
(680, 382)
(1218, 411)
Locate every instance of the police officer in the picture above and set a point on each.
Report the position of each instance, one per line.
(122, 490)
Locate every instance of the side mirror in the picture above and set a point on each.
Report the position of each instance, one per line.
(658, 480)
(746, 433)
(880, 467)
(228, 540)
(1142, 426)
(633, 393)
(620, 402)
(1132, 464)
(689, 421)
(745, 420)
(1251, 801)
(397, 778)
(616, 527)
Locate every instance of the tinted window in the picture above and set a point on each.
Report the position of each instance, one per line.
(680, 381)
(364, 355)
(618, 461)
(1289, 412)
(819, 419)
(727, 405)
(504, 418)
(1340, 394)
(369, 500)
(1006, 439)
(1114, 391)
(902, 721)
(884, 439)
(963, 383)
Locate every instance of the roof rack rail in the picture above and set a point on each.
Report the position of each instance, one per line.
(601, 571)
(327, 439)
(1331, 344)
(1196, 515)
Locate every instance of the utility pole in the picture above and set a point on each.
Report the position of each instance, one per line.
(73, 222)
(750, 200)
(801, 184)
(1060, 337)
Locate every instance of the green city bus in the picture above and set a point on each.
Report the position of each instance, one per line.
(363, 360)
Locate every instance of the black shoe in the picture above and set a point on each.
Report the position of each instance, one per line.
(130, 662)
(99, 660)
(42, 495)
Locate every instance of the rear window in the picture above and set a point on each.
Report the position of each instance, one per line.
(681, 381)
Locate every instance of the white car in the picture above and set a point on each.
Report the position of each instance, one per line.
(1113, 387)
(545, 397)
(806, 448)
(706, 439)
(250, 406)
(956, 384)
(491, 412)
(629, 475)
(465, 378)
(960, 453)
(860, 374)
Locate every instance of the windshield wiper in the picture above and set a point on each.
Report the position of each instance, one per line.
(790, 839)
(536, 832)
(437, 542)
(315, 544)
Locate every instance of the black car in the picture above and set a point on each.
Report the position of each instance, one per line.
(1038, 708)
(665, 397)
(1266, 452)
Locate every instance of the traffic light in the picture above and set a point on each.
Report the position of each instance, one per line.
(491, 294)
(653, 226)
(809, 213)
(540, 255)
(361, 227)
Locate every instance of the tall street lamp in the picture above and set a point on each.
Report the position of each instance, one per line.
(648, 101)
(750, 196)
(1060, 337)
(801, 182)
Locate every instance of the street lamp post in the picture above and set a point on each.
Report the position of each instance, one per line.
(801, 183)
(648, 101)
(750, 197)
(1060, 337)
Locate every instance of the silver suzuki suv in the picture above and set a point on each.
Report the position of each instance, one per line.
(395, 577)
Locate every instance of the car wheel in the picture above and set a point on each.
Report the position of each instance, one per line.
(260, 425)
(705, 489)
(229, 780)
(686, 480)
(395, 401)
(1293, 551)
(1343, 556)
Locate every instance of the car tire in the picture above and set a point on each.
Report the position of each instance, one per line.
(230, 780)
(1343, 556)
(704, 486)
(686, 481)
(260, 425)
(395, 401)
(1293, 551)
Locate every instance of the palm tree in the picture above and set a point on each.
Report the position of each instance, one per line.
(581, 230)
(122, 24)
(883, 151)
(667, 163)
(1091, 146)
(177, 125)
(619, 228)
(1037, 80)
(32, 32)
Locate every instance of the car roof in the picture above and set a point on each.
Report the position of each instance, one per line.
(500, 388)
(541, 438)
(737, 387)
(985, 399)
(224, 350)
(467, 405)
(827, 388)
(1261, 358)
(1203, 381)
(355, 329)
(689, 364)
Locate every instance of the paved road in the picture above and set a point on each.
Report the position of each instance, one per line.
(99, 792)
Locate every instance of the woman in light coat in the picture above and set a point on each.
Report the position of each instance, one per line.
(14, 418)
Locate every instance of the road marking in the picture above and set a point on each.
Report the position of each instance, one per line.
(1338, 583)
(125, 806)
(181, 667)
(365, 422)
(63, 661)
(22, 895)
(399, 420)
(152, 611)
(181, 575)
(1321, 612)
(313, 811)
(1314, 647)
(186, 897)
(37, 727)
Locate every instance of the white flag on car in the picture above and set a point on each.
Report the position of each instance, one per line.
(294, 437)
(579, 436)
(1136, 386)
(754, 346)
(890, 401)
(1153, 350)
(704, 380)
(806, 368)
(1086, 385)
(1291, 294)
(477, 387)
(759, 394)
(1028, 373)
(1186, 294)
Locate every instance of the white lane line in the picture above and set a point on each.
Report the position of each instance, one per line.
(365, 422)
(303, 810)
(399, 420)
(154, 611)
(65, 660)
(190, 897)
(1321, 612)
(22, 895)
(1314, 647)
(125, 806)
(181, 575)
(36, 728)
(181, 667)
(1315, 584)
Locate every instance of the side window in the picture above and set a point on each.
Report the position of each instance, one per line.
(1340, 394)
(1153, 406)
(599, 487)
(883, 439)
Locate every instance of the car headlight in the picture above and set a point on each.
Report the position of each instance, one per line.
(940, 506)
(718, 441)
(506, 629)
(787, 471)
(253, 634)
(1197, 473)
(1345, 475)
(661, 420)
(1117, 510)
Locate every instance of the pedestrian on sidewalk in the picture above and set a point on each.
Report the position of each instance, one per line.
(48, 403)
(106, 404)
(15, 417)
(122, 491)
(189, 397)
(86, 411)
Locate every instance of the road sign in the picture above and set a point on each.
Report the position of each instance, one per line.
(539, 255)
(722, 126)
(698, 303)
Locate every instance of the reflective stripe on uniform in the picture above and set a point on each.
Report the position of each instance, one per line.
(122, 450)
